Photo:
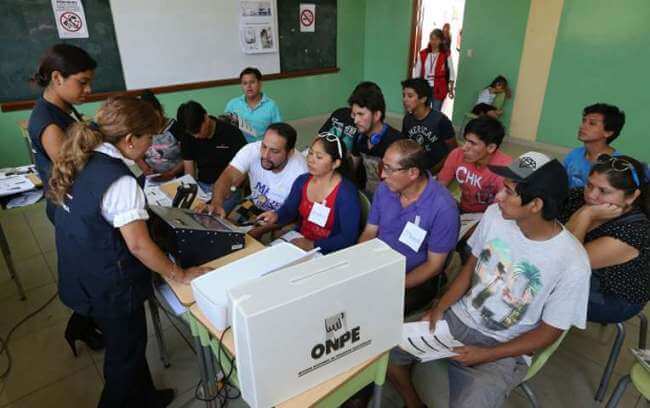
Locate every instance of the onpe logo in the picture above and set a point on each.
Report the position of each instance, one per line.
(337, 336)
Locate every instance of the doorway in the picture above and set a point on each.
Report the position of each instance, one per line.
(429, 15)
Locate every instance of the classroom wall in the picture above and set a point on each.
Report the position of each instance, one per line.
(297, 98)
(493, 34)
(601, 55)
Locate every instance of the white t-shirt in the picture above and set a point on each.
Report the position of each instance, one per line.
(268, 189)
(519, 282)
(486, 97)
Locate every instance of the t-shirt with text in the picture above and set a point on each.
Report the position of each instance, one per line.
(431, 133)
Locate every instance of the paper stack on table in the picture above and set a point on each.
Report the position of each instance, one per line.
(15, 184)
(420, 342)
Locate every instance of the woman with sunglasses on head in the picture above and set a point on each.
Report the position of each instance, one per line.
(324, 201)
(65, 73)
(610, 216)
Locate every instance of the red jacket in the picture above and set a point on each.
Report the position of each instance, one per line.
(440, 74)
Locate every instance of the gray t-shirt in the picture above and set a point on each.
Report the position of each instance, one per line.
(519, 282)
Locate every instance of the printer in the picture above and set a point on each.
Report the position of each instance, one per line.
(192, 238)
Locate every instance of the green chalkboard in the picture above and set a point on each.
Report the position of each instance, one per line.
(307, 50)
(28, 29)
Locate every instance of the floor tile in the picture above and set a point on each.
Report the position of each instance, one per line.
(81, 390)
(44, 235)
(32, 272)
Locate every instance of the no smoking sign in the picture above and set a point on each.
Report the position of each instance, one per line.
(307, 17)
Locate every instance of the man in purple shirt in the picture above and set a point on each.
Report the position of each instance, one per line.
(416, 216)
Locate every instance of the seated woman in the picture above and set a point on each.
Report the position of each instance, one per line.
(164, 155)
(324, 201)
(610, 217)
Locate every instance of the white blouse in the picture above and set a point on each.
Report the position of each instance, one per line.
(124, 201)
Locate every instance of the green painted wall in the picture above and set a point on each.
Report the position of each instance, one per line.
(297, 98)
(494, 31)
(388, 30)
(601, 55)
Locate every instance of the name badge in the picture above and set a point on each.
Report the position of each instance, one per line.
(319, 214)
(412, 235)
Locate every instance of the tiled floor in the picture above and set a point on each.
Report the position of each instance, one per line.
(46, 374)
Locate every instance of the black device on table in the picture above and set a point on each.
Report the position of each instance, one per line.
(192, 238)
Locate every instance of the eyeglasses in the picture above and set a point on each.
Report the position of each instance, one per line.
(387, 170)
(331, 137)
(619, 164)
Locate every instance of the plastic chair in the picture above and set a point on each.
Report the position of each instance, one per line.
(539, 359)
(616, 350)
(365, 209)
(639, 376)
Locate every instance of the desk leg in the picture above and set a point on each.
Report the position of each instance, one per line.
(201, 356)
(380, 379)
(6, 252)
(157, 329)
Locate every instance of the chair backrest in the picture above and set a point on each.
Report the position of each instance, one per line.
(499, 100)
(365, 209)
(539, 359)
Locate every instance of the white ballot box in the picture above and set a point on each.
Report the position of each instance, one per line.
(210, 289)
(302, 325)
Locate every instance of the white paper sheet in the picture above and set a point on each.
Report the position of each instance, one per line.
(420, 342)
(25, 199)
(15, 184)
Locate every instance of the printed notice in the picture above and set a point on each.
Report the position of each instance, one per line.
(70, 18)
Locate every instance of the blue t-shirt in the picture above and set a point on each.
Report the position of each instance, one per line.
(438, 216)
(259, 117)
(577, 166)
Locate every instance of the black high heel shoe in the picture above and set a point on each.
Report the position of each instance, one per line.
(83, 328)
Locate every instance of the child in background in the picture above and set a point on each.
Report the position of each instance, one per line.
(495, 94)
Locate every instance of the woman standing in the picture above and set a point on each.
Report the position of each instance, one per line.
(325, 203)
(434, 64)
(65, 73)
(103, 245)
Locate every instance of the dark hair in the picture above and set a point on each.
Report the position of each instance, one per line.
(251, 70)
(486, 128)
(370, 98)
(613, 118)
(287, 132)
(190, 116)
(332, 150)
(499, 80)
(361, 86)
(624, 180)
(65, 58)
(148, 96)
(441, 36)
(482, 109)
(552, 205)
(413, 155)
(420, 86)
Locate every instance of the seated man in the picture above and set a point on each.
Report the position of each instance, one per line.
(469, 164)
(526, 282)
(430, 128)
(254, 107)
(340, 122)
(373, 137)
(272, 165)
(210, 144)
(415, 216)
(601, 125)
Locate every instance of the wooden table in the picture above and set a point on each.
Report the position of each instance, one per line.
(331, 393)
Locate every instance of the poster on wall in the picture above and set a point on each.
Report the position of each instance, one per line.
(307, 17)
(257, 27)
(70, 18)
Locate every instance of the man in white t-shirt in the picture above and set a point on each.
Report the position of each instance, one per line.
(526, 282)
(271, 165)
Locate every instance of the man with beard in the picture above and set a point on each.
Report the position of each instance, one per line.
(271, 166)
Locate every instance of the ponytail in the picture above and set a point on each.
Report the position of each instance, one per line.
(116, 118)
(75, 151)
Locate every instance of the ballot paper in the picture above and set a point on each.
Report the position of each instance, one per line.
(12, 171)
(26, 198)
(14, 185)
(425, 345)
(155, 196)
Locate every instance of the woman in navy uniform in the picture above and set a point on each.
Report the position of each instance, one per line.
(65, 73)
(103, 245)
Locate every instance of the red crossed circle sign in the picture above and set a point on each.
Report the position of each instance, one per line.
(71, 21)
(307, 18)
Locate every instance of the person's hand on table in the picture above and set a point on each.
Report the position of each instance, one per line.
(210, 208)
(303, 243)
(186, 275)
(267, 218)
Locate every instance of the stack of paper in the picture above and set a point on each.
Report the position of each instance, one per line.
(420, 342)
(15, 184)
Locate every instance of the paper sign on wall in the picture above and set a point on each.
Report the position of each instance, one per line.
(307, 17)
(257, 27)
(70, 18)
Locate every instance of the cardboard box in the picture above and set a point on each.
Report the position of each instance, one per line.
(302, 325)
(210, 289)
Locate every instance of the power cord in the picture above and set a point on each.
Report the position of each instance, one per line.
(4, 342)
(226, 391)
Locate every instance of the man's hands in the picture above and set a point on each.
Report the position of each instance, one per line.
(472, 355)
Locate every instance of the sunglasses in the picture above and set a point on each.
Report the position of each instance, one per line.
(330, 137)
(619, 165)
